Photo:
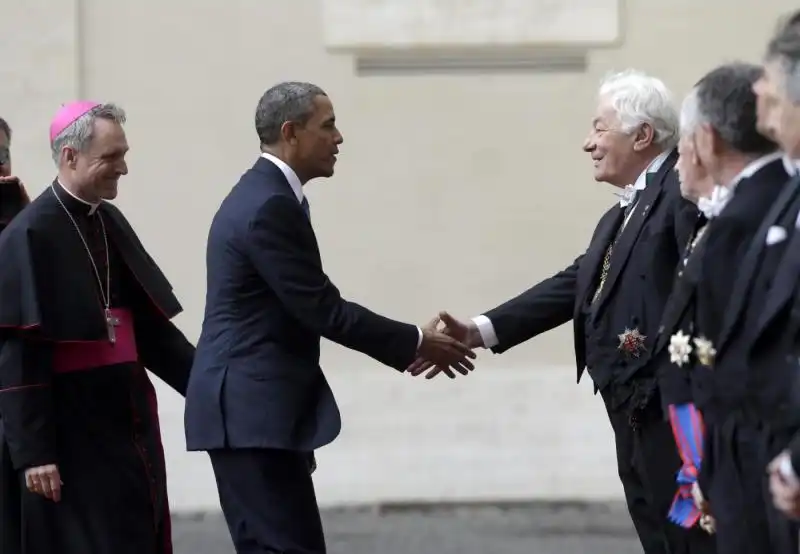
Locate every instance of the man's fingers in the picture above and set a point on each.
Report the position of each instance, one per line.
(47, 490)
(448, 320)
(433, 323)
(462, 348)
(419, 366)
(433, 373)
(440, 368)
(55, 488)
(774, 465)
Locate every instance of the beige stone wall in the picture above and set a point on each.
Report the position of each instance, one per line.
(451, 192)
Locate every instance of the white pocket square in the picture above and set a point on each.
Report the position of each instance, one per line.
(775, 234)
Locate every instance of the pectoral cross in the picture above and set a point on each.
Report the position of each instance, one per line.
(112, 322)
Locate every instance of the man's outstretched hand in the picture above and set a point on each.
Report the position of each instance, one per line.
(465, 334)
(444, 350)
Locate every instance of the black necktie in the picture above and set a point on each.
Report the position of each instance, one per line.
(306, 207)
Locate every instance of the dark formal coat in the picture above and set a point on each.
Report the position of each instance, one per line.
(704, 284)
(639, 281)
(615, 294)
(257, 380)
(60, 403)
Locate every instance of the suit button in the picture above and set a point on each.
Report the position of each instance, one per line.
(660, 329)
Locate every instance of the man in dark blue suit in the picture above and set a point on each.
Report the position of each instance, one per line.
(257, 399)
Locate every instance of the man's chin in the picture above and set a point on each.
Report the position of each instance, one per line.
(109, 193)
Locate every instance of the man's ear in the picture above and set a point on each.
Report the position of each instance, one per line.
(69, 156)
(644, 137)
(289, 132)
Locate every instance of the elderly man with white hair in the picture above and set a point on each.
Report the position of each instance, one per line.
(615, 293)
(735, 173)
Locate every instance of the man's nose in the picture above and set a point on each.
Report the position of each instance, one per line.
(588, 144)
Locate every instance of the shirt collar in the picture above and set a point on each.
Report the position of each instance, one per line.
(752, 168)
(92, 207)
(653, 167)
(288, 172)
(791, 165)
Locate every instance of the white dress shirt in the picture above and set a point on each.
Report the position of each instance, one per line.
(297, 188)
(484, 324)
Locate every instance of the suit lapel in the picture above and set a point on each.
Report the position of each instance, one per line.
(683, 291)
(748, 268)
(590, 265)
(785, 282)
(622, 249)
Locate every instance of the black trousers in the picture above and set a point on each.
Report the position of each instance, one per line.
(268, 500)
(648, 463)
(747, 522)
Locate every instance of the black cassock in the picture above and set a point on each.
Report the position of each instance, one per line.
(70, 396)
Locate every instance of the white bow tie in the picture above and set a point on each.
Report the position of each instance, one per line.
(628, 194)
(712, 206)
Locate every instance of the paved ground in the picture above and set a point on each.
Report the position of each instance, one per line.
(511, 529)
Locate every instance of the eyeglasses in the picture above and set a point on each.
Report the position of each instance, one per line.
(5, 155)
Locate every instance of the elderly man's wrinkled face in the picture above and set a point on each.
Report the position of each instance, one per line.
(695, 180)
(778, 116)
(99, 168)
(612, 150)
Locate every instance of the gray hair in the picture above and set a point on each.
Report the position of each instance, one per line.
(785, 48)
(690, 117)
(288, 101)
(79, 133)
(5, 128)
(724, 99)
(639, 98)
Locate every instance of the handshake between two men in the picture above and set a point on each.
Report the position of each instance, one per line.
(447, 347)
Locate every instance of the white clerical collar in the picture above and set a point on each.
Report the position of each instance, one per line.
(752, 168)
(92, 207)
(288, 172)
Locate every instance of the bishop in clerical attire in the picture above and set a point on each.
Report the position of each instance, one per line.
(83, 311)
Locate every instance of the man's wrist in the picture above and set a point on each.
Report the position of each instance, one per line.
(482, 327)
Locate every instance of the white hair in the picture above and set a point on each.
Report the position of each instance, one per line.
(78, 134)
(639, 98)
(690, 117)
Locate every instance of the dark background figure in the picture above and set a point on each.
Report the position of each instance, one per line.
(720, 137)
(12, 192)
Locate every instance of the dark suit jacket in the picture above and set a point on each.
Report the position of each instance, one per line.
(636, 290)
(763, 289)
(256, 380)
(703, 288)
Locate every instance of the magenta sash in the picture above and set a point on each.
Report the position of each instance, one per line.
(83, 356)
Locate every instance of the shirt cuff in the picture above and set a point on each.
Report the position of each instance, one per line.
(486, 330)
(419, 340)
(787, 470)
